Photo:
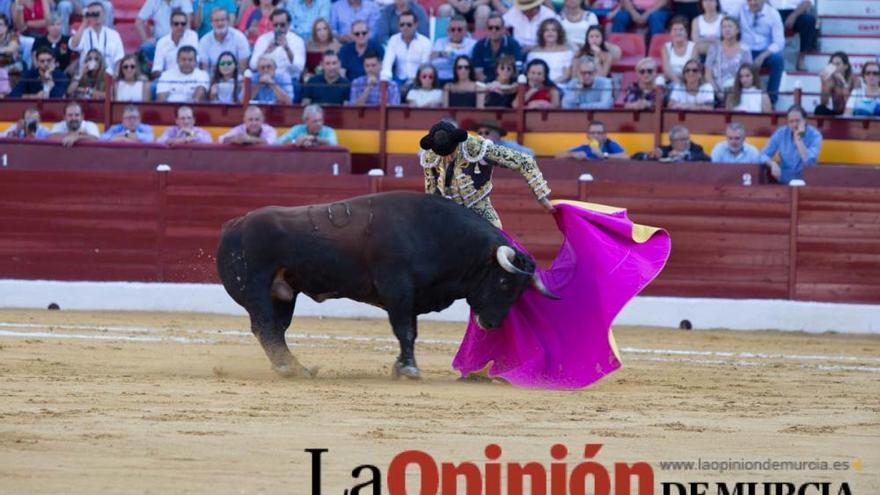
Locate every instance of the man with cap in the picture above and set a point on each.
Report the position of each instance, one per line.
(459, 167)
(490, 129)
(525, 18)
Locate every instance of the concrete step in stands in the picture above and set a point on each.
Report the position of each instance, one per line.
(815, 62)
(850, 44)
(859, 8)
(810, 84)
(848, 26)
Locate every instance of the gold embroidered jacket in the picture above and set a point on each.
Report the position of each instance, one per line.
(468, 181)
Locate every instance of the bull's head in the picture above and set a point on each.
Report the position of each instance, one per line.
(507, 277)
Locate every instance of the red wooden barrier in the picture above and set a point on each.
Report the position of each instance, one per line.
(728, 241)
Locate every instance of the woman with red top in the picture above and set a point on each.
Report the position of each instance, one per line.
(541, 91)
(258, 21)
(31, 17)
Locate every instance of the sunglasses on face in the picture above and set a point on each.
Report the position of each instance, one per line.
(494, 28)
(692, 70)
(456, 29)
(484, 133)
(179, 23)
(92, 14)
(872, 73)
(505, 67)
(359, 33)
(265, 67)
(129, 66)
(426, 76)
(462, 67)
(646, 71)
(225, 63)
(280, 25)
(406, 24)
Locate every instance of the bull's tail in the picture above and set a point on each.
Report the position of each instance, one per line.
(231, 262)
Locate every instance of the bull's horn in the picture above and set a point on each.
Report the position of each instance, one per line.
(538, 284)
(505, 256)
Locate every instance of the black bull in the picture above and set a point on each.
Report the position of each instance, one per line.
(408, 253)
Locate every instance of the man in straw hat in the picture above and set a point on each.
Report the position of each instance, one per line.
(490, 129)
(459, 167)
(525, 18)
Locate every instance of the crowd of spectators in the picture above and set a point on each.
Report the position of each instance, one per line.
(346, 52)
(318, 51)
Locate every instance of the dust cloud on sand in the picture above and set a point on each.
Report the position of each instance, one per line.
(94, 402)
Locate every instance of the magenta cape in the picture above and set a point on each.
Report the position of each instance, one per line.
(604, 261)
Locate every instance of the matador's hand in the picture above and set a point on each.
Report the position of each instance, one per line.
(548, 207)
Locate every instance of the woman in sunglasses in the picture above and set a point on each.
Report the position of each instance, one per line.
(692, 93)
(89, 83)
(642, 94)
(463, 90)
(131, 84)
(502, 91)
(426, 92)
(865, 100)
(225, 82)
(838, 82)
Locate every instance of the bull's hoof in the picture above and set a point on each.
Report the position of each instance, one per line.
(295, 371)
(409, 371)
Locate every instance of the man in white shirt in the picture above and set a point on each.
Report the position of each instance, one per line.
(223, 39)
(166, 48)
(159, 11)
(525, 18)
(95, 35)
(797, 15)
(406, 51)
(285, 47)
(73, 128)
(185, 83)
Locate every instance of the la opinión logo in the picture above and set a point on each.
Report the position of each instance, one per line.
(582, 478)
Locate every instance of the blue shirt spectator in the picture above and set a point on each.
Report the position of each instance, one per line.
(595, 95)
(343, 13)
(484, 55)
(324, 133)
(387, 22)
(233, 40)
(360, 86)
(21, 132)
(141, 132)
(204, 7)
(784, 143)
(303, 16)
(265, 93)
(515, 146)
(610, 146)
(762, 30)
(352, 61)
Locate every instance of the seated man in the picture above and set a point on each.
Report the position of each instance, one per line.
(94, 35)
(797, 144)
(312, 133)
(56, 41)
(222, 38)
(159, 13)
(456, 43)
(184, 131)
(165, 57)
(650, 13)
(329, 87)
(270, 86)
(27, 127)
(735, 149)
(490, 129)
(131, 130)
(365, 89)
(252, 131)
(599, 146)
(588, 91)
(185, 83)
(488, 50)
(73, 128)
(284, 46)
(406, 51)
(46, 80)
(351, 54)
(475, 11)
(797, 15)
(680, 149)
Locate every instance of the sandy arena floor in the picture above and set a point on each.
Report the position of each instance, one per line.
(185, 403)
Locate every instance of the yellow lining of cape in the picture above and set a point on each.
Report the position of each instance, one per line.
(640, 233)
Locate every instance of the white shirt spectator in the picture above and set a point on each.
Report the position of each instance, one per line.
(444, 64)
(279, 55)
(524, 30)
(166, 50)
(210, 49)
(677, 63)
(762, 31)
(108, 42)
(130, 91)
(159, 11)
(558, 62)
(751, 100)
(705, 95)
(87, 125)
(180, 87)
(731, 7)
(402, 60)
(576, 32)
